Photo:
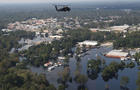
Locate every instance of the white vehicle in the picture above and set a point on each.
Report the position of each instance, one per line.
(133, 59)
(51, 68)
(60, 64)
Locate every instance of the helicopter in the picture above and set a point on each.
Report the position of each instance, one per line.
(65, 8)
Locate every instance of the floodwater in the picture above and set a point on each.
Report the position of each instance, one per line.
(99, 83)
(32, 42)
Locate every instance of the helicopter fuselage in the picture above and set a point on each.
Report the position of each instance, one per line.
(64, 9)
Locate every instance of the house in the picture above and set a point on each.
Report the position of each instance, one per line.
(100, 30)
(45, 31)
(6, 30)
(61, 58)
(122, 28)
(117, 54)
(59, 31)
(93, 29)
(107, 44)
(87, 43)
(104, 30)
(56, 37)
(48, 64)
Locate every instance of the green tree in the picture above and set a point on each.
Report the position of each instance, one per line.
(61, 87)
(138, 81)
(51, 87)
(131, 65)
(124, 81)
(64, 75)
(110, 70)
(106, 87)
(82, 79)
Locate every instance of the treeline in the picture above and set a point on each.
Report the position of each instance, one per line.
(132, 40)
(23, 34)
(85, 34)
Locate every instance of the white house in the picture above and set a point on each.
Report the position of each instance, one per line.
(122, 28)
(56, 37)
(117, 54)
(88, 43)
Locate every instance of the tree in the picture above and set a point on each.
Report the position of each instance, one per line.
(110, 71)
(106, 87)
(131, 41)
(78, 70)
(66, 60)
(51, 87)
(82, 79)
(138, 81)
(94, 67)
(131, 65)
(61, 87)
(124, 81)
(78, 49)
(103, 62)
(64, 75)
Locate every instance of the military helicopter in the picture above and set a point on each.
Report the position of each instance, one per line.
(64, 8)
